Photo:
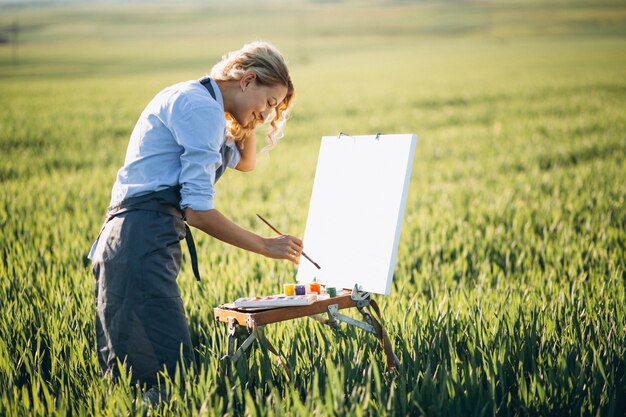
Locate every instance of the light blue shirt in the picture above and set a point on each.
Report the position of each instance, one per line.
(177, 140)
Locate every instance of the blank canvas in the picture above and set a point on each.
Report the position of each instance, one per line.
(356, 209)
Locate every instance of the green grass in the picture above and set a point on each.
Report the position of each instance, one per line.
(508, 295)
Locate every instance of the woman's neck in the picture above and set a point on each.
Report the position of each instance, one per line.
(229, 89)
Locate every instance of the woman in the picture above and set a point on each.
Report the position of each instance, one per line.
(178, 149)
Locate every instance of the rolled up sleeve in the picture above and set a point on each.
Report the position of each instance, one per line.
(199, 130)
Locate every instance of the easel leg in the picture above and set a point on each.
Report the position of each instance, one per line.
(232, 356)
(232, 338)
(244, 346)
(257, 334)
(369, 324)
(393, 363)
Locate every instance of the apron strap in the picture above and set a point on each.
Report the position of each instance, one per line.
(206, 82)
(225, 150)
(192, 251)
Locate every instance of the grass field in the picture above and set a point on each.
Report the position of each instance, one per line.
(509, 290)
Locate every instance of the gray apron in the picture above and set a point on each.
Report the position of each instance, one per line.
(140, 318)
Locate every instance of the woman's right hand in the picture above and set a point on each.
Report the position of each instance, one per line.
(283, 247)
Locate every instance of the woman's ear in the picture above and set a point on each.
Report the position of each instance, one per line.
(248, 78)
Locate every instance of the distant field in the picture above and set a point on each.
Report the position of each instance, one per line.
(509, 291)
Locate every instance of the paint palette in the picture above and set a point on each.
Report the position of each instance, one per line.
(280, 300)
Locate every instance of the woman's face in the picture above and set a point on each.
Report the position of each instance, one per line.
(256, 103)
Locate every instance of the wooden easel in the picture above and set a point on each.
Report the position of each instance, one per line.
(256, 319)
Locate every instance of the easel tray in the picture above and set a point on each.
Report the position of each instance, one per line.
(261, 316)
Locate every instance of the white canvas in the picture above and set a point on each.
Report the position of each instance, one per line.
(356, 209)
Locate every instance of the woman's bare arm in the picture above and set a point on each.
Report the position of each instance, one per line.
(248, 153)
(217, 225)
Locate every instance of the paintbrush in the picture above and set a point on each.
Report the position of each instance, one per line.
(276, 230)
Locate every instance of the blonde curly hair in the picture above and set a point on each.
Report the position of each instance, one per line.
(271, 69)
